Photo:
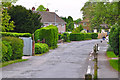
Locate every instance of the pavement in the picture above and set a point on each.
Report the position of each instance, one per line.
(69, 60)
(104, 68)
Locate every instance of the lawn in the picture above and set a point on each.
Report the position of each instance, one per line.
(3, 64)
(110, 54)
(114, 64)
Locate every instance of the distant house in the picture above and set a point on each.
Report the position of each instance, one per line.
(86, 25)
(51, 18)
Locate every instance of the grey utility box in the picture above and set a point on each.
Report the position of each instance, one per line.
(27, 49)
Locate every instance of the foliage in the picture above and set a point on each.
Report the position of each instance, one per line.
(15, 34)
(59, 36)
(12, 61)
(41, 8)
(78, 29)
(7, 25)
(101, 12)
(41, 48)
(7, 56)
(114, 38)
(49, 33)
(25, 20)
(114, 64)
(17, 47)
(81, 36)
(83, 31)
(94, 35)
(110, 54)
(70, 23)
(77, 21)
(66, 36)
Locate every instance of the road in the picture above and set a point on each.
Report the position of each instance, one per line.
(69, 60)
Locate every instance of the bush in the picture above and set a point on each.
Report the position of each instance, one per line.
(41, 48)
(15, 34)
(17, 47)
(82, 36)
(114, 38)
(7, 56)
(49, 33)
(59, 36)
(66, 37)
(94, 35)
(4, 52)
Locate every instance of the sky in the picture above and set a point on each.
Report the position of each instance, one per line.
(65, 7)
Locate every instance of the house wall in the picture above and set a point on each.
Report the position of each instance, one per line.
(61, 27)
(87, 27)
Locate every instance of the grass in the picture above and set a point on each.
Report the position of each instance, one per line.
(3, 64)
(114, 64)
(110, 54)
(39, 54)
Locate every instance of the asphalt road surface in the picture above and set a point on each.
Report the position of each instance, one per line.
(69, 60)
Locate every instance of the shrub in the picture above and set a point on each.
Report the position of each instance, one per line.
(41, 48)
(15, 34)
(94, 35)
(4, 52)
(49, 33)
(7, 56)
(76, 36)
(17, 47)
(59, 36)
(114, 38)
(66, 36)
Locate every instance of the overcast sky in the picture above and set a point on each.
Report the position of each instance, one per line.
(65, 7)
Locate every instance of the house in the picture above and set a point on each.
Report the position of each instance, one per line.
(86, 25)
(51, 18)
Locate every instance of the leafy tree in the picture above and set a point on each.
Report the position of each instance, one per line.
(25, 20)
(77, 21)
(101, 12)
(41, 8)
(78, 29)
(7, 25)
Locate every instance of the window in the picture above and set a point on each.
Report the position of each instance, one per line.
(63, 25)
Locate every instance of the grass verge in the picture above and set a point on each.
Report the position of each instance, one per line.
(3, 64)
(114, 64)
(110, 54)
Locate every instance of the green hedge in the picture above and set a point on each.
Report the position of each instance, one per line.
(41, 48)
(49, 33)
(114, 38)
(82, 36)
(59, 36)
(7, 56)
(15, 34)
(66, 37)
(17, 47)
(94, 35)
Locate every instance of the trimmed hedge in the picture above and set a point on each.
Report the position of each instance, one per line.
(41, 48)
(49, 33)
(82, 36)
(7, 56)
(17, 47)
(15, 34)
(66, 37)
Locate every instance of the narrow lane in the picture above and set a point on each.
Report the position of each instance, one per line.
(69, 60)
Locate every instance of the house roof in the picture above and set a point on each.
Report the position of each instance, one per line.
(49, 17)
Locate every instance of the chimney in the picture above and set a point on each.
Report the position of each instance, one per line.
(33, 8)
(47, 10)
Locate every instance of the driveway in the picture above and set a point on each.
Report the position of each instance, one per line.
(69, 60)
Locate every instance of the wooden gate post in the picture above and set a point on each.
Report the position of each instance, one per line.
(33, 46)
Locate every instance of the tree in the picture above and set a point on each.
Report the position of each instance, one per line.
(77, 21)
(25, 20)
(41, 8)
(78, 29)
(101, 12)
(7, 25)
